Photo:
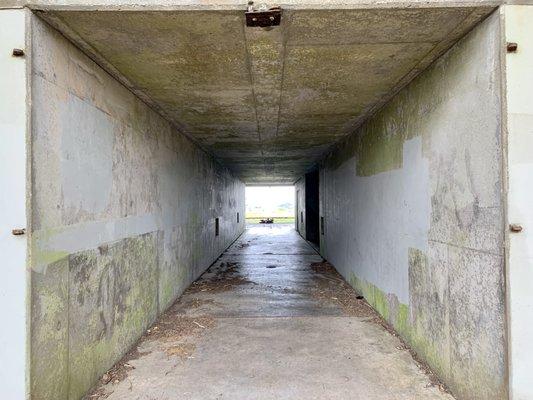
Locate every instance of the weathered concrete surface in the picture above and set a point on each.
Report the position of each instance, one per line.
(268, 103)
(414, 215)
(259, 331)
(299, 208)
(519, 107)
(123, 217)
(173, 5)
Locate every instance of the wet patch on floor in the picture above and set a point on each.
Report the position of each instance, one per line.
(243, 245)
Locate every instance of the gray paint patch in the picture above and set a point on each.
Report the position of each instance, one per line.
(380, 237)
(53, 244)
(86, 158)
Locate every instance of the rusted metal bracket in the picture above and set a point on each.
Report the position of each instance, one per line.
(18, 53)
(512, 47)
(18, 232)
(515, 228)
(262, 17)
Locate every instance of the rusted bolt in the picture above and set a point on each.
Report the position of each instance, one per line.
(18, 232)
(512, 47)
(515, 228)
(18, 53)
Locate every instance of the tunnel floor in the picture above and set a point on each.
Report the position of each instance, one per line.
(269, 320)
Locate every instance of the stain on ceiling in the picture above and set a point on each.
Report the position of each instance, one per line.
(268, 103)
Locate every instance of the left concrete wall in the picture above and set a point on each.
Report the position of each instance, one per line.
(14, 97)
(123, 213)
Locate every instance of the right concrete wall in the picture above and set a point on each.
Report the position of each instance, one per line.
(414, 215)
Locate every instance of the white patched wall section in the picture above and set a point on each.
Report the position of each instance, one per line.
(14, 108)
(519, 107)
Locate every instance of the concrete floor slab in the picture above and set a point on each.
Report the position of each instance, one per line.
(269, 326)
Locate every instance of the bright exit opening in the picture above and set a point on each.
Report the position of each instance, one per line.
(270, 204)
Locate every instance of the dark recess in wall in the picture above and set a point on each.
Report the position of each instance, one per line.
(312, 227)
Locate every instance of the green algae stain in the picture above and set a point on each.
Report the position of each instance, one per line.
(398, 316)
(377, 145)
(49, 336)
(41, 254)
(378, 152)
(401, 322)
(119, 285)
(87, 309)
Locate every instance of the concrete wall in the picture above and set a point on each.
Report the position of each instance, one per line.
(123, 213)
(414, 215)
(299, 206)
(519, 108)
(307, 206)
(14, 98)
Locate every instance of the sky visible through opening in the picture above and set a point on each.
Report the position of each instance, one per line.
(270, 201)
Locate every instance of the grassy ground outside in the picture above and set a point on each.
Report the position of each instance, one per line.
(277, 220)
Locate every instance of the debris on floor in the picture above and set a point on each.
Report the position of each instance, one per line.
(331, 287)
(182, 350)
(116, 374)
(219, 278)
(175, 327)
(169, 332)
(197, 303)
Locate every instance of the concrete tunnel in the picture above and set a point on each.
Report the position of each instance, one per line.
(130, 129)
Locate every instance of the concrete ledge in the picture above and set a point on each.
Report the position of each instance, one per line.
(162, 5)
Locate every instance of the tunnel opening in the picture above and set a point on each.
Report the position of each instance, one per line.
(373, 135)
(270, 204)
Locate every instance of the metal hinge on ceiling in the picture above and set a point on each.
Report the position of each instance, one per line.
(262, 17)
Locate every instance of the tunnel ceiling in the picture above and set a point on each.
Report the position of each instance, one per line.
(267, 103)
